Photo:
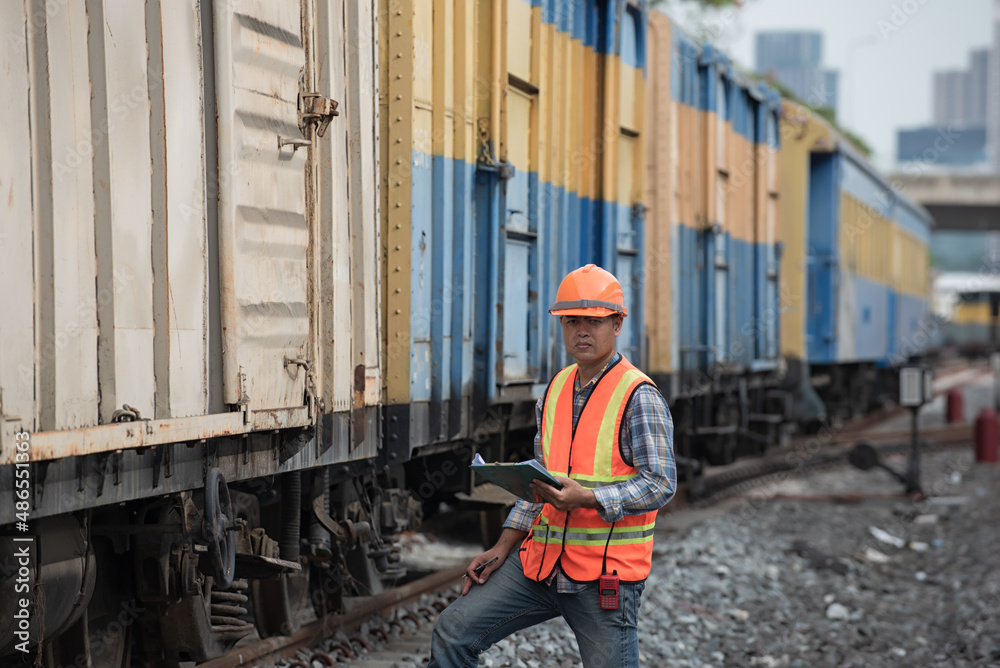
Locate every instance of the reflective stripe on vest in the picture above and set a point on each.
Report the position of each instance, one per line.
(577, 540)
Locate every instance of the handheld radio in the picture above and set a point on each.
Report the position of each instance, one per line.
(608, 586)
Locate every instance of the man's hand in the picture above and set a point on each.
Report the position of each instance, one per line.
(508, 539)
(484, 558)
(573, 495)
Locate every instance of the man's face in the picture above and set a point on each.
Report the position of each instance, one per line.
(588, 339)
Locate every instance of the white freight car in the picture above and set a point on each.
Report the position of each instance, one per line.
(189, 257)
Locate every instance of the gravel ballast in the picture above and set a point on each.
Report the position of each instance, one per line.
(793, 583)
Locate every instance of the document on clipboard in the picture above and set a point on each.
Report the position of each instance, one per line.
(515, 478)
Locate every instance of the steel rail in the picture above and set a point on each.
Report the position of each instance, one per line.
(274, 649)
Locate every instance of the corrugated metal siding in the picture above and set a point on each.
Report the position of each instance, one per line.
(768, 231)
(17, 327)
(180, 234)
(825, 288)
(263, 234)
(661, 175)
(522, 136)
(348, 257)
(66, 264)
(122, 206)
(122, 198)
(799, 135)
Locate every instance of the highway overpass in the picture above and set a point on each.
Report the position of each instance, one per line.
(956, 201)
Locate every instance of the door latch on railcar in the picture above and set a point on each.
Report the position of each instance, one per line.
(315, 108)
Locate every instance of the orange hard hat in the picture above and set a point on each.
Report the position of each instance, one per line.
(589, 291)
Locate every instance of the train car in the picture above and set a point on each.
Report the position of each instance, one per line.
(968, 305)
(191, 333)
(712, 254)
(854, 271)
(512, 145)
(973, 325)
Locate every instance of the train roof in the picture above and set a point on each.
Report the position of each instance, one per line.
(708, 54)
(841, 144)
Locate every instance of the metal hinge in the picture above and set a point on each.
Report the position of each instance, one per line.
(315, 108)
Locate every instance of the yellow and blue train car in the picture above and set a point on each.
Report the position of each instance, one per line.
(854, 270)
(712, 256)
(974, 325)
(512, 152)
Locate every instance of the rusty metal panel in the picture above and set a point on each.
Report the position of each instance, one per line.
(347, 219)
(263, 233)
(180, 243)
(63, 139)
(363, 160)
(333, 201)
(17, 326)
(122, 205)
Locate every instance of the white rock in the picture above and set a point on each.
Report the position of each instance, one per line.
(918, 546)
(772, 572)
(898, 651)
(886, 537)
(722, 570)
(921, 576)
(837, 611)
(876, 557)
(829, 598)
(736, 613)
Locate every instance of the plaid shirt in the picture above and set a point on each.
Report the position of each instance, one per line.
(647, 440)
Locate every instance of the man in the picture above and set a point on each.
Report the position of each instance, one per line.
(605, 432)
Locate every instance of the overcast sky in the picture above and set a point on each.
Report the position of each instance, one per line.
(885, 73)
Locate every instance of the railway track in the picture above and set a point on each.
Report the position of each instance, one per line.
(803, 457)
(385, 630)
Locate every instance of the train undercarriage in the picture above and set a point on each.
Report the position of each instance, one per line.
(182, 577)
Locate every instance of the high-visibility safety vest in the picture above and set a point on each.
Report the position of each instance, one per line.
(590, 455)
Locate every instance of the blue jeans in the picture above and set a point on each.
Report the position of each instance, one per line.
(509, 602)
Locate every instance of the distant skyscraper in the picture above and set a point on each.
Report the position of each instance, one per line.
(951, 97)
(979, 63)
(993, 92)
(960, 95)
(795, 61)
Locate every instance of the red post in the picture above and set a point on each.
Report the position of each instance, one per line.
(956, 409)
(987, 433)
